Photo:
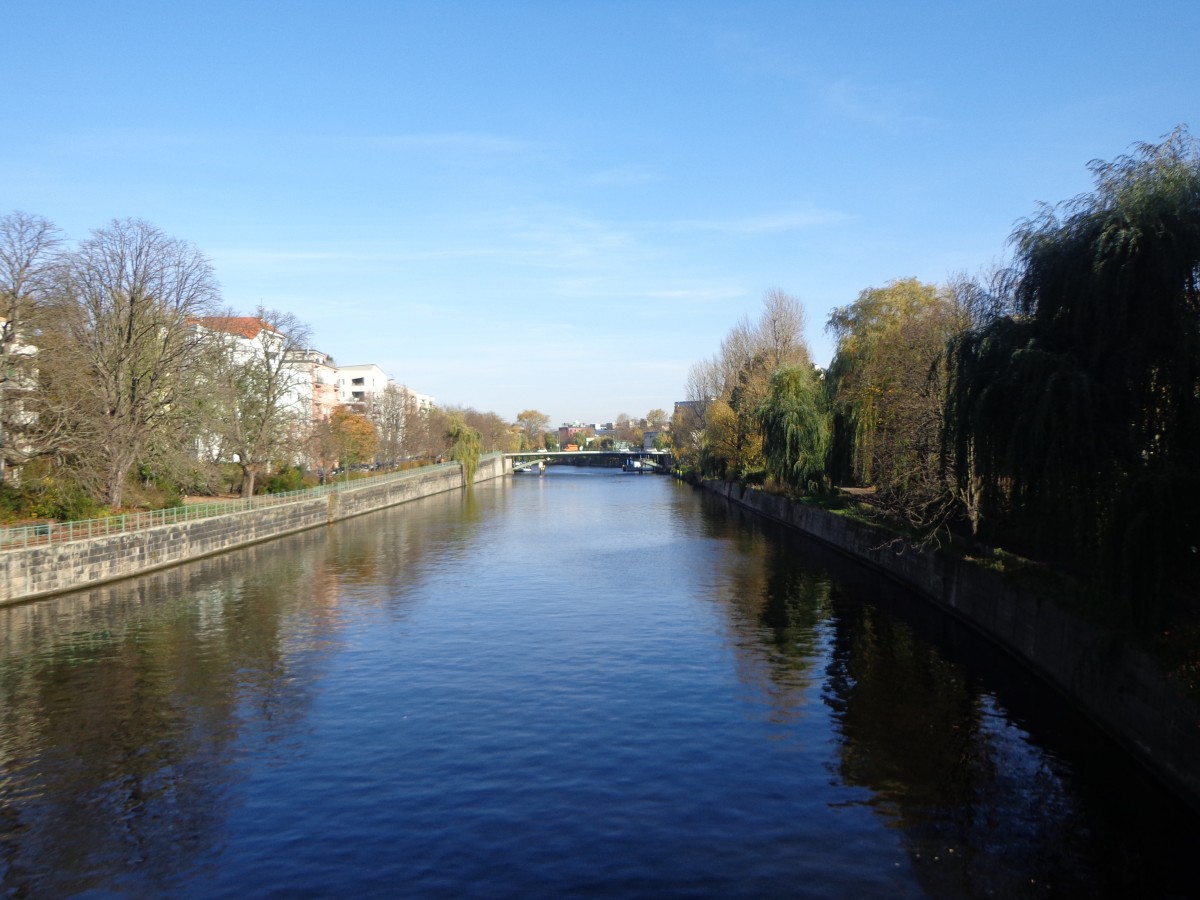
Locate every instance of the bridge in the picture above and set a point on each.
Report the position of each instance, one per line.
(630, 460)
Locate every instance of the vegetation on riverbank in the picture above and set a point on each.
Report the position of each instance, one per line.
(1051, 408)
(125, 385)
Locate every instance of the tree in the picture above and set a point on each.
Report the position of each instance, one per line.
(1078, 418)
(795, 429)
(886, 388)
(533, 425)
(465, 447)
(263, 398)
(657, 419)
(28, 252)
(390, 412)
(127, 359)
(423, 436)
(494, 431)
(353, 436)
(322, 446)
(627, 430)
(732, 385)
(687, 432)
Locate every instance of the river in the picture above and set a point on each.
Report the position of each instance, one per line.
(581, 684)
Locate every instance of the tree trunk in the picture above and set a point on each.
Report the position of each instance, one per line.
(248, 479)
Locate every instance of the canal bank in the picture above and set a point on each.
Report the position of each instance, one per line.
(39, 571)
(1116, 685)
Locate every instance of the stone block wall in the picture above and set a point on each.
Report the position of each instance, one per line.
(40, 571)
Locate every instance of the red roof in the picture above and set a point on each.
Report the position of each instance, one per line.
(246, 326)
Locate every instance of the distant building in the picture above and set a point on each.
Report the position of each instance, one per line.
(358, 385)
(422, 402)
(251, 337)
(575, 433)
(319, 382)
(17, 385)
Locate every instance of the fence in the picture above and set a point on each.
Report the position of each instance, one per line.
(63, 532)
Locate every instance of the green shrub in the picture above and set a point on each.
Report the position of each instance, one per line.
(14, 503)
(63, 501)
(287, 479)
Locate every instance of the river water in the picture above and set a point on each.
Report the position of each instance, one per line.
(581, 684)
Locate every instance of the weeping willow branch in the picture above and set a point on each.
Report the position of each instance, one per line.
(1078, 417)
(795, 429)
(466, 447)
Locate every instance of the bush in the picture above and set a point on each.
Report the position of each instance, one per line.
(62, 501)
(14, 503)
(287, 479)
(152, 490)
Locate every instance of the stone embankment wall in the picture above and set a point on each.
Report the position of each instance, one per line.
(1115, 684)
(54, 568)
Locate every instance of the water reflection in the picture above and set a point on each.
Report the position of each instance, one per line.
(169, 668)
(982, 813)
(983, 810)
(538, 688)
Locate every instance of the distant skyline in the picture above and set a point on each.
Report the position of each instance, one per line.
(563, 206)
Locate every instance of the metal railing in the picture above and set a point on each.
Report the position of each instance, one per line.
(63, 532)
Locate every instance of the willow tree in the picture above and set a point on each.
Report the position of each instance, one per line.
(1079, 417)
(466, 446)
(795, 429)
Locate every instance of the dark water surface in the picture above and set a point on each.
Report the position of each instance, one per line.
(584, 684)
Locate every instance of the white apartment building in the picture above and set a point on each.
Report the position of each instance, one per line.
(318, 383)
(358, 385)
(250, 337)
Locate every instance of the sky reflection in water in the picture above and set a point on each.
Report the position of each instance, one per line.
(585, 683)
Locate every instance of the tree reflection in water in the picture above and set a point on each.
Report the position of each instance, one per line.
(984, 811)
(135, 783)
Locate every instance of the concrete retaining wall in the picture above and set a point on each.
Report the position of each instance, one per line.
(1116, 685)
(54, 568)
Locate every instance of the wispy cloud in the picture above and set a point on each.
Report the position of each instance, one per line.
(695, 294)
(763, 224)
(750, 53)
(887, 107)
(267, 257)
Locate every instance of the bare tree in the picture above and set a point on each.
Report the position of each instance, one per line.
(126, 298)
(425, 430)
(627, 429)
(493, 430)
(264, 397)
(28, 251)
(780, 331)
(388, 412)
(704, 381)
(738, 380)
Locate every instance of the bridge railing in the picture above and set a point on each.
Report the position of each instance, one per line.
(62, 532)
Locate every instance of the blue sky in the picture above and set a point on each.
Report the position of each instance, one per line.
(564, 205)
